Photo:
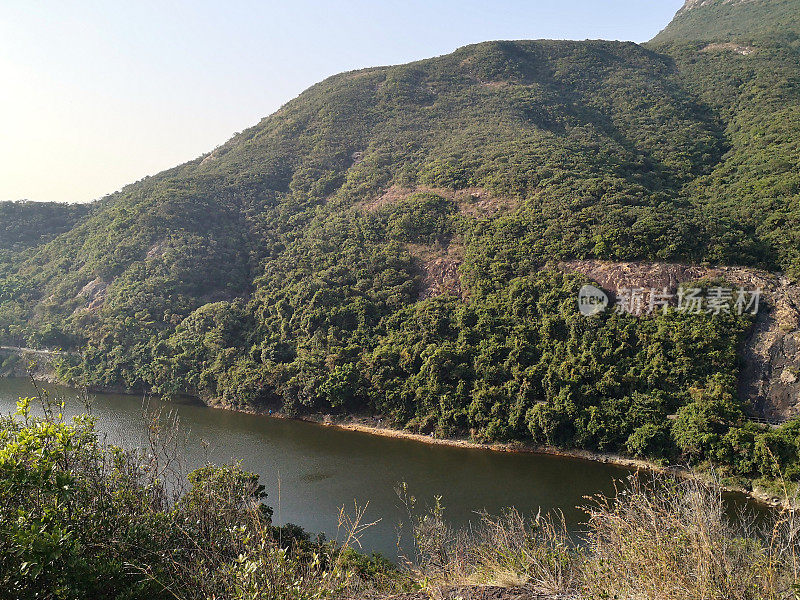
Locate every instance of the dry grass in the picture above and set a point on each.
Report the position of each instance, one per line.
(669, 539)
(656, 539)
(537, 553)
(506, 551)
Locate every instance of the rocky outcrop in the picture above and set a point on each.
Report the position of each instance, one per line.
(729, 47)
(94, 293)
(770, 377)
(438, 267)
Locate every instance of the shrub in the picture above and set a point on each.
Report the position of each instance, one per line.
(83, 519)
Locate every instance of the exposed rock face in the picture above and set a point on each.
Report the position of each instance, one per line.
(95, 293)
(439, 267)
(770, 377)
(729, 47)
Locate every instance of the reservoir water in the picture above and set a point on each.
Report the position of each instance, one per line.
(310, 470)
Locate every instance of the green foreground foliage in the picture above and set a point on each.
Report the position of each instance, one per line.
(82, 519)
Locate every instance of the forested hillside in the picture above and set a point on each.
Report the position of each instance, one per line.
(384, 244)
(734, 21)
(26, 224)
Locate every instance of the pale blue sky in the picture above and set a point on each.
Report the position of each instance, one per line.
(97, 94)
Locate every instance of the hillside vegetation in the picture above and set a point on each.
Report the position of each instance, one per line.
(25, 224)
(294, 266)
(734, 21)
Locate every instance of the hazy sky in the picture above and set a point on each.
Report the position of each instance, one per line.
(98, 94)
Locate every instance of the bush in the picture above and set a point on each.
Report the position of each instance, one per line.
(83, 519)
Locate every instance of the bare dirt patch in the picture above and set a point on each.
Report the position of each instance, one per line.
(210, 157)
(729, 47)
(439, 266)
(478, 203)
(158, 250)
(495, 84)
(94, 293)
(391, 196)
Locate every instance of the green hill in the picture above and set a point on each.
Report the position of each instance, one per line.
(749, 76)
(25, 224)
(734, 21)
(380, 244)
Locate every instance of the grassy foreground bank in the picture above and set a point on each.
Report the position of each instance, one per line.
(83, 519)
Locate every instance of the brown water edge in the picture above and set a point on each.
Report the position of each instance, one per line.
(373, 426)
(313, 472)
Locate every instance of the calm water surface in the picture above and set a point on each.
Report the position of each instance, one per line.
(310, 471)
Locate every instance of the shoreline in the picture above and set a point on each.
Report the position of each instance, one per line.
(361, 424)
(373, 426)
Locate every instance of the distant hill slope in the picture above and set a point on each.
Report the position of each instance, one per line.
(25, 224)
(749, 77)
(381, 243)
(592, 141)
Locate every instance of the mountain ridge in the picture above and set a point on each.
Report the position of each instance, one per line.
(733, 21)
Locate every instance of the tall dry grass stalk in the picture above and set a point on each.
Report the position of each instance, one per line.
(671, 539)
(656, 538)
(510, 550)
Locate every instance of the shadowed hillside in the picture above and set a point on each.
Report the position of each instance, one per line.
(25, 224)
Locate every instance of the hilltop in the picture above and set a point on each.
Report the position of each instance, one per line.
(734, 21)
